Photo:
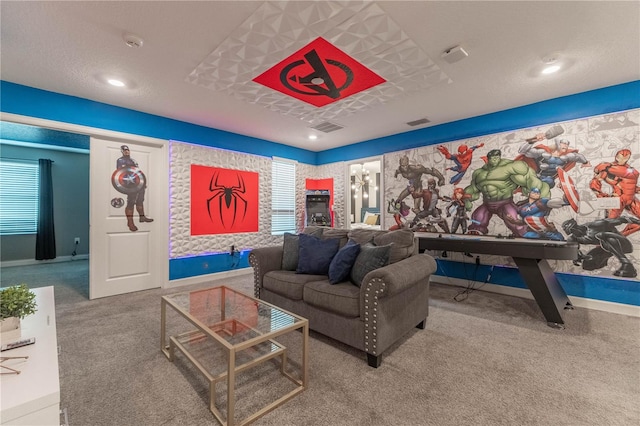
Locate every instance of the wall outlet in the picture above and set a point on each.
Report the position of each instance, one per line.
(76, 240)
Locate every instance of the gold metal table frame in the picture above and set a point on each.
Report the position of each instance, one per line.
(244, 329)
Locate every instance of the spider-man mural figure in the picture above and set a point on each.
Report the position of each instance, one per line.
(462, 160)
(623, 179)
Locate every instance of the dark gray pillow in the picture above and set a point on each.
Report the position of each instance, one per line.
(290, 252)
(315, 255)
(371, 257)
(402, 240)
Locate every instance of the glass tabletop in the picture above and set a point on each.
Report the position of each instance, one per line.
(231, 315)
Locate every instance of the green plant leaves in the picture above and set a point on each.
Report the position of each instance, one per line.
(17, 301)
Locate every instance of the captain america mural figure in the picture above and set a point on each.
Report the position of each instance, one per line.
(129, 179)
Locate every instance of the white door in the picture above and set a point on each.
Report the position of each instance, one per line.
(129, 252)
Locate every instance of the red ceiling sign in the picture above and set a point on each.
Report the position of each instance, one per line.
(223, 201)
(319, 74)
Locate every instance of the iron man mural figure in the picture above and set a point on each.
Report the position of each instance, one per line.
(623, 179)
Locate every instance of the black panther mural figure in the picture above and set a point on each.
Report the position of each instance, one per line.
(609, 241)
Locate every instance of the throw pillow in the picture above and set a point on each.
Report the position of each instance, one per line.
(370, 257)
(315, 255)
(290, 252)
(371, 220)
(403, 242)
(342, 262)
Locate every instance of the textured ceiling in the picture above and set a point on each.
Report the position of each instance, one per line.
(199, 59)
(276, 29)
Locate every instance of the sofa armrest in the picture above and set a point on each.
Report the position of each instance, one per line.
(263, 260)
(393, 300)
(397, 277)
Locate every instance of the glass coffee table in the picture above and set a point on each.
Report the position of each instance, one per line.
(227, 332)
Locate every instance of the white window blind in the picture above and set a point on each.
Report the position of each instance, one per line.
(18, 197)
(283, 197)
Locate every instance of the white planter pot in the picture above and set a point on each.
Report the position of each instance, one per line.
(10, 329)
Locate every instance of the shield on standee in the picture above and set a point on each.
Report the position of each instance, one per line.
(128, 180)
(569, 189)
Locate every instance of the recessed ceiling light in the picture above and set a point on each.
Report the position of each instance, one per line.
(551, 69)
(115, 82)
(551, 63)
(313, 137)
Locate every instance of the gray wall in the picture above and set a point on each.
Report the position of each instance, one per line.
(70, 173)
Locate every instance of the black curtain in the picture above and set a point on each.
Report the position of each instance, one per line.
(46, 236)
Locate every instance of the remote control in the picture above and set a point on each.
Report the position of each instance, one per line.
(18, 344)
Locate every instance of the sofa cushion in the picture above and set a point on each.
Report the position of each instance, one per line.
(316, 231)
(340, 234)
(290, 252)
(315, 255)
(288, 283)
(402, 243)
(362, 236)
(370, 257)
(342, 298)
(342, 262)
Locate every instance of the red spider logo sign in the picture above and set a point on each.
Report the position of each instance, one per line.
(229, 196)
(223, 201)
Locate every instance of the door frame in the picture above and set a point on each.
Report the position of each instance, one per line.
(162, 187)
(347, 187)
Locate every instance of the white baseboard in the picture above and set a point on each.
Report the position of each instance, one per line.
(581, 302)
(28, 262)
(209, 277)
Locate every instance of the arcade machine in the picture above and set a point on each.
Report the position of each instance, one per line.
(318, 208)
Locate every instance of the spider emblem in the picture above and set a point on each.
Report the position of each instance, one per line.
(230, 196)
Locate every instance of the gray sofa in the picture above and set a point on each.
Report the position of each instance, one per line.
(390, 301)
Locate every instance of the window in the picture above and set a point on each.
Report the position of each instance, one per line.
(283, 197)
(18, 197)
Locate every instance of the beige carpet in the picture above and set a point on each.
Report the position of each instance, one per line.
(489, 360)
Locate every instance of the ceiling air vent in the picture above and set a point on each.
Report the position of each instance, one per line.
(418, 122)
(327, 127)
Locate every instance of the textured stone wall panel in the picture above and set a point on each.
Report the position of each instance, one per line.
(183, 155)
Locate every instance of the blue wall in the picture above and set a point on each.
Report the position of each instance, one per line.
(32, 102)
(23, 100)
(615, 98)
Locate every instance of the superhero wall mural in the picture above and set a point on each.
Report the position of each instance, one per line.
(570, 181)
(223, 201)
(130, 181)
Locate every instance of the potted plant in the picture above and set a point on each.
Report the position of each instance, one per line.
(16, 302)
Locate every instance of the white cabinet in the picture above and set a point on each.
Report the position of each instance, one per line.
(33, 396)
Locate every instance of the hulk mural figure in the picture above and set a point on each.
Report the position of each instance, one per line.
(497, 180)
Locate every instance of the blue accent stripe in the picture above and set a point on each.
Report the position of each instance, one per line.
(185, 267)
(24, 100)
(601, 101)
(28, 101)
(597, 288)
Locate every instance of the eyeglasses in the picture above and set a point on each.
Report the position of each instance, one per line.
(11, 370)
